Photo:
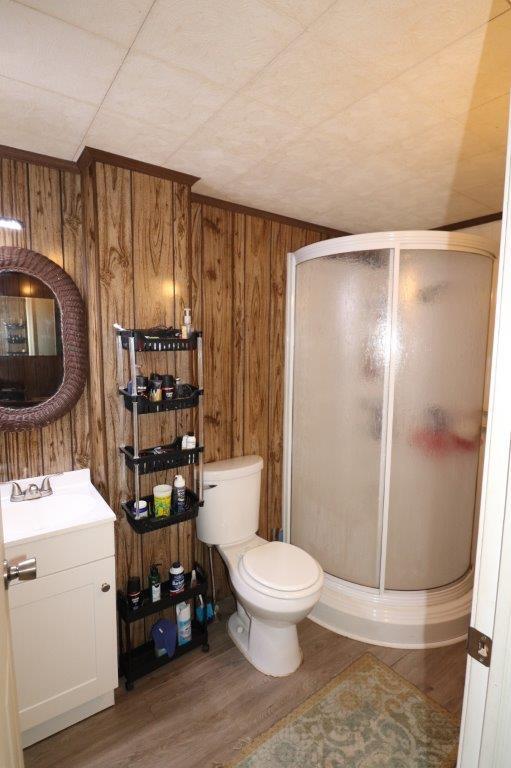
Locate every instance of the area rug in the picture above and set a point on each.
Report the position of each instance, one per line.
(366, 717)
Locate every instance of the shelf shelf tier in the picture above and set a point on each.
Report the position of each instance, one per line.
(141, 660)
(151, 340)
(167, 457)
(150, 524)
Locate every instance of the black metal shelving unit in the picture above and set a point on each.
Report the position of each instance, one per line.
(138, 661)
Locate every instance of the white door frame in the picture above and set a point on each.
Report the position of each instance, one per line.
(11, 755)
(485, 739)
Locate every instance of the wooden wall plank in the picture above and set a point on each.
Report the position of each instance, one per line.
(217, 327)
(153, 275)
(182, 298)
(21, 454)
(99, 457)
(257, 334)
(281, 245)
(73, 255)
(114, 233)
(238, 335)
(46, 238)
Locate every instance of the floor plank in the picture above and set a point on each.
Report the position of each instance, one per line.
(201, 709)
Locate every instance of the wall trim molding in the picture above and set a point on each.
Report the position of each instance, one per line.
(90, 155)
(489, 217)
(239, 208)
(13, 153)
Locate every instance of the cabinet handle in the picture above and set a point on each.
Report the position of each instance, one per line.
(105, 587)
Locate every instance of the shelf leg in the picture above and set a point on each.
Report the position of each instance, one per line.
(127, 671)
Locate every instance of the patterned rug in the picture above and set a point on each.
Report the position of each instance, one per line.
(366, 717)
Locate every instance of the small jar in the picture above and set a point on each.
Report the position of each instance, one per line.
(162, 495)
(140, 509)
(167, 387)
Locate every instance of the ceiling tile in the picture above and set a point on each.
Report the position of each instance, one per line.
(303, 11)
(118, 20)
(235, 139)
(227, 41)
(45, 52)
(313, 80)
(489, 121)
(40, 121)
(156, 92)
(396, 34)
(383, 118)
(444, 145)
(490, 194)
(114, 132)
(468, 73)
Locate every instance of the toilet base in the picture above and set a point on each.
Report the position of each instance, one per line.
(272, 649)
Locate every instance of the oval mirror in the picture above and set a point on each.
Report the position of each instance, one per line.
(31, 359)
(42, 340)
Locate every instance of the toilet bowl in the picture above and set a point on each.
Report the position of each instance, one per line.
(276, 584)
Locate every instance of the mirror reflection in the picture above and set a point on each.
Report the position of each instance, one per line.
(31, 361)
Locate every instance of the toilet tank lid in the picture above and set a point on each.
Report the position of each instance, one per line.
(231, 469)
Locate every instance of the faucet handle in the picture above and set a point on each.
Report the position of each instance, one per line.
(45, 485)
(16, 492)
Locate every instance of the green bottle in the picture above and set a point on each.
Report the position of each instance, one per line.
(154, 582)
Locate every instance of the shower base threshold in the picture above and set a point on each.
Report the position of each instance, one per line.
(396, 619)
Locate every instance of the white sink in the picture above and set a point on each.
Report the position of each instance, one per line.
(74, 504)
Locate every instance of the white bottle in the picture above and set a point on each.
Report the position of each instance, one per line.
(178, 495)
(184, 623)
(186, 328)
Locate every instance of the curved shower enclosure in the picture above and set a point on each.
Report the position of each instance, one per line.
(386, 361)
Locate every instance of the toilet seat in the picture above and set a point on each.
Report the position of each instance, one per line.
(280, 570)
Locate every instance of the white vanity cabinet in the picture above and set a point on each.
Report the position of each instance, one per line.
(64, 621)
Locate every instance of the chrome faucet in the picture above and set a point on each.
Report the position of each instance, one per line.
(33, 491)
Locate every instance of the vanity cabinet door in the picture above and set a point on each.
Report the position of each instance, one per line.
(64, 640)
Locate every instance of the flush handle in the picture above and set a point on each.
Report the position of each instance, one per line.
(25, 570)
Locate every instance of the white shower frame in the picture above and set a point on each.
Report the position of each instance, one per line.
(405, 619)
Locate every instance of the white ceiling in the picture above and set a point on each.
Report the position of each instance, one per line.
(356, 114)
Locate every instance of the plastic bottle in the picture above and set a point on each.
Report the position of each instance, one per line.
(184, 623)
(178, 495)
(154, 582)
(176, 578)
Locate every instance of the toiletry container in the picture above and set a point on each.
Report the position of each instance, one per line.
(179, 495)
(184, 623)
(162, 495)
(176, 578)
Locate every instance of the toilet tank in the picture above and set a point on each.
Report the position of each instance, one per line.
(231, 500)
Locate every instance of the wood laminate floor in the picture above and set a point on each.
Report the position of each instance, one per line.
(201, 709)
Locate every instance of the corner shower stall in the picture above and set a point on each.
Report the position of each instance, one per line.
(387, 345)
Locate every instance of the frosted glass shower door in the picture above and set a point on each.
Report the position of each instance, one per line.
(339, 378)
(440, 359)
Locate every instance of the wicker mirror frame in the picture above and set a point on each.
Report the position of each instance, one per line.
(74, 340)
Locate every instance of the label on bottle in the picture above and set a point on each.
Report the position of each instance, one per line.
(155, 592)
(177, 582)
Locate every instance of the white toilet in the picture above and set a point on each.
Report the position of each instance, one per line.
(276, 584)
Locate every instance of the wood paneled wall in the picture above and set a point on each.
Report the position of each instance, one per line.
(240, 262)
(48, 202)
(149, 249)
